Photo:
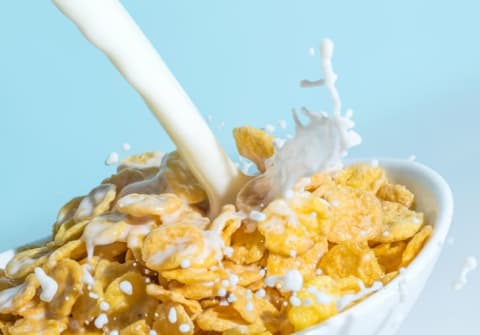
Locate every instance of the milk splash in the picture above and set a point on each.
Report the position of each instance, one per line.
(317, 146)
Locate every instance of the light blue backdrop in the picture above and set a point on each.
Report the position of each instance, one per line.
(410, 69)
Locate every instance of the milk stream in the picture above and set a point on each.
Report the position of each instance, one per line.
(108, 26)
(317, 146)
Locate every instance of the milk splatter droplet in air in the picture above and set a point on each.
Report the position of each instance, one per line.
(311, 52)
(319, 145)
(126, 287)
(49, 285)
(469, 265)
(112, 158)
(126, 147)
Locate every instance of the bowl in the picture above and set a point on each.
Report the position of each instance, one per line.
(383, 312)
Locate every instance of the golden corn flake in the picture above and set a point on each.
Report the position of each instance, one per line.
(128, 298)
(97, 202)
(254, 144)
(389, 255)
(278, 265)
(180, 179)
(415, 245)
(321, 292)
(396, 193)
(68, 232)
(248, 247)
(351, 259)
(193, 307)
(25, 261)
(362, 176)
(148, 163)
(173, 319)
(167, 246)
(35, 327)
(15, 298)
(68, 276)
(140, 205)
(66, 213)
(294, 226)
(356, 215)
(220, 319)
(124, 177)
(138, 328)
(399, 223)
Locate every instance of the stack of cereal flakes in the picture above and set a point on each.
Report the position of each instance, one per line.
(128, 263)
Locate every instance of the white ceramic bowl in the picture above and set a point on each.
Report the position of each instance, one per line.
(383, 313)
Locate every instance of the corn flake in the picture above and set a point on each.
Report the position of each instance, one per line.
(254, 144)
(35, 327)
(97, 202)
(180, 179)
(396, 193)
(357, 215)
(362, 176)
(169, 312)
(389, 255)
(294, 226)
(415, 245)
(399, 223)
(351, 259)
(140, 205)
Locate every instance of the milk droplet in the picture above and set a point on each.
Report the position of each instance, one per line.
(126, 147)
(172, 315)
(49, 285)
(112, 158)
(184, 328)
(126, 287)
(101, 321)
(257, 216)
(469, 265)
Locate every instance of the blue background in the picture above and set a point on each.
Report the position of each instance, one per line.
(410, 69)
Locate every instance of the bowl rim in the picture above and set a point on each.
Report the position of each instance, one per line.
(444, 196)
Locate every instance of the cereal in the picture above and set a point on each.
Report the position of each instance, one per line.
(35, 327)
(389, 255)
(154, 264)
(291, 225)
(124, 177)
(416, 244)
(351, 259)
(193, 307)
(148, 204)
(254, 144)
(138, 328)
(396, 193)
(180, 179)
(167, 246)
(399, 223)
(68, 276)
(278, 265)
(321, 291)
(357, 214)
(25, 261)
(65, 214)
(171, 318)
(362, 176)
(97, 202)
